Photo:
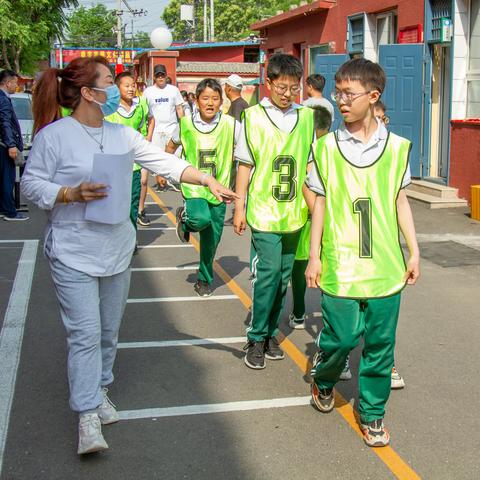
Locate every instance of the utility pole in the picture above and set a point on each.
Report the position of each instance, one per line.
(212, 20)
(205, 23)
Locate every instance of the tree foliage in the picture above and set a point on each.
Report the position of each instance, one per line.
(92, 27)
(27, 29)
(232, 17)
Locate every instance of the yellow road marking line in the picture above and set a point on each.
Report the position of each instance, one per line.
(387, 454)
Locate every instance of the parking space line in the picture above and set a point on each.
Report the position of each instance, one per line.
(388, 455)
(11, 335)
(164, 269)
(181, 299)
(167, 246)
(214, 408)
(146, 229)
(183, 343)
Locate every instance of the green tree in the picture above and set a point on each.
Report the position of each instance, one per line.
(232, 17)
(92, 27)
(141, 40)
(27, 29)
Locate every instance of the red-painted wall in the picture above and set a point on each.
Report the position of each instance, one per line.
(214, 54)
(331, 25)
(464, 156)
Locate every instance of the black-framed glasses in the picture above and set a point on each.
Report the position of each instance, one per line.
(347, 97)
(282, 89)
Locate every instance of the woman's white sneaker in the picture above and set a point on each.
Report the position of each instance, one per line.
(106, 411)
(90, 438)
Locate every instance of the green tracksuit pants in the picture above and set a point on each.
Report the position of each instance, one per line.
(136, 188)
(206, 218)
(345, 321)
(299, 287)
(271, 262)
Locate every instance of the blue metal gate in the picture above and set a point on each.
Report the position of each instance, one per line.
(327, 65)
(403, 96)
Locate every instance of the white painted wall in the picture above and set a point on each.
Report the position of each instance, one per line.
(460, 58)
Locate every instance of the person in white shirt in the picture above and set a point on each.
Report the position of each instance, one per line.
(89, 261)
(165, 103)
(315, 85)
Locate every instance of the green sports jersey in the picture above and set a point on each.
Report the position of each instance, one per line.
(361, 252)
(138, 121)
(210, 152)
(275, 200)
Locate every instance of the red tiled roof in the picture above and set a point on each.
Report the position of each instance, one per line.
(307, 9)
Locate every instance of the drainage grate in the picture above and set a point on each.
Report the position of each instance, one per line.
(449, 254)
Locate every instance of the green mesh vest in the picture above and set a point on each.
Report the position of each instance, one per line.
(210, 152)
(361, 253)
(275, 198)
(138, 121)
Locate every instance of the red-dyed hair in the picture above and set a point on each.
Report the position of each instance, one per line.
(59, 87)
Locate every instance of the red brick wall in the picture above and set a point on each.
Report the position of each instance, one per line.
(464, 157)
(214, 54)
(331, 26)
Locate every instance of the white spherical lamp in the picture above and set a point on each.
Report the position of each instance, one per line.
(161, 38)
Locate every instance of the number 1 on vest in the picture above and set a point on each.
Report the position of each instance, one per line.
(363, 207)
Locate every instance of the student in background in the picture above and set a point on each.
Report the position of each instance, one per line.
(315, 85)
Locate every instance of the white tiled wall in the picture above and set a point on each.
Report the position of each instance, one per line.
(460, 59)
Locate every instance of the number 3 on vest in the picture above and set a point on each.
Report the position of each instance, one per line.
(287, 180)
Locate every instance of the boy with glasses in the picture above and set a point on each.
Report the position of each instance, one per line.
(272, 151)
(355, 253)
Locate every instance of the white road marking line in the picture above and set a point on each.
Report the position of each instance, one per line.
(146, 229)
(181, 299)
(156, 214)
(214, 408)
(467, 240)
(17, 241)
(11, 335)
(164, 269)
(151, 203)
(188, 245)
(183, 343)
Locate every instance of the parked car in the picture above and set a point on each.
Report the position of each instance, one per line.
(22, 104)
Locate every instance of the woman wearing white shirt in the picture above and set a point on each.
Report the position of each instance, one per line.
(89, 260)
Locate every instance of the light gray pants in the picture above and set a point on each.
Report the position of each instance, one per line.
(91, 310)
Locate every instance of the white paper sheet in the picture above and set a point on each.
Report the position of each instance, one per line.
(116, 172)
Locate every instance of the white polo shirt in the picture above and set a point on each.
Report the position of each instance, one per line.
(358, 153)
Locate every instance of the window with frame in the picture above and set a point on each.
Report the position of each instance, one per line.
(473, 74)
(386, 28)
(356, 34)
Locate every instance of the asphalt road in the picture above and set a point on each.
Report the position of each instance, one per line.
(194, 411)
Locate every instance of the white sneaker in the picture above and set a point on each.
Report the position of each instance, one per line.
(90, 438)
(174, 186)
(397, 381)
(346, 373)
(296, 323)
(106, 411)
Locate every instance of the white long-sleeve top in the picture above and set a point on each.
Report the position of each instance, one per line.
(62, 155)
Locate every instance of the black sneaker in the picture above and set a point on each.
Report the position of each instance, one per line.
(272, 349)
(255, 357)
(202, 288)
(375, 434)
(160, 188)
(184, 237)
(323, 398)
(142, 219)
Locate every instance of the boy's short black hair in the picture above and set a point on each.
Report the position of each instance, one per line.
(123, 75)
(322, 118)
(316, 81)
(368, 73)
(7, 74)
(209, 83)
(283, 65)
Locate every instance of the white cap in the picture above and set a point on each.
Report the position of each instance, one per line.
(235, 81)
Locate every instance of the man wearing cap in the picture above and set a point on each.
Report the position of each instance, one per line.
(165, 105)
(233, 91)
